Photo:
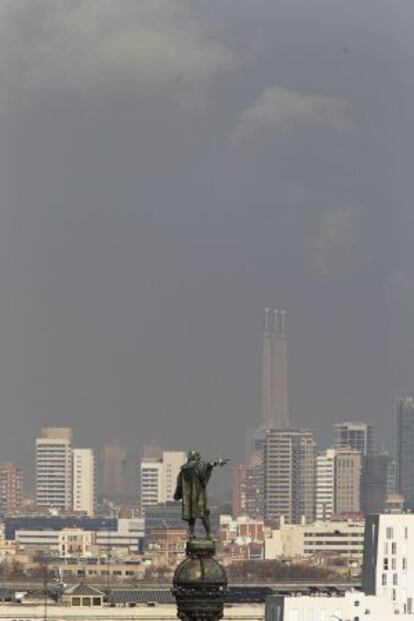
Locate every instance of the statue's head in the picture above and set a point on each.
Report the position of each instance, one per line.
(193, 455)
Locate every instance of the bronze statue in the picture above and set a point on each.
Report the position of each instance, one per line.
(191, 490)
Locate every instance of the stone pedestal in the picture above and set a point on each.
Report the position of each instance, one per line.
(200, 583)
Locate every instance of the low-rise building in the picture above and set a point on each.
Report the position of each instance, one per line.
(149, 611)
(65, 542)
(129, 535)
(82, 595)
(242, 529)
(119, 534)
(233, 552)
(167, 546)
(352, 606)
(345, 539)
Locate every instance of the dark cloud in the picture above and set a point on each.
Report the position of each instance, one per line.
(167, 169)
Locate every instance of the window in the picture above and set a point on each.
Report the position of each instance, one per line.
(404, 564)
(390, 532)
(395, 579)
(385, 564)
(393, 548)
(96, 601)
(393, 563)
(384, 580)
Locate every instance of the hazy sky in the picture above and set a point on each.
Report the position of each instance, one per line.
(167, 169)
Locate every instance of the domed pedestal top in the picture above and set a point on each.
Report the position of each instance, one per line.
(200, 583)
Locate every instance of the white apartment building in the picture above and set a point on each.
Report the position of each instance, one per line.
(325, 485)
(172, 462)
(84, 480)
(150, 484)
(54, 468)
(389, 559)
(65, 542)
(305, 540)
(128, 535)
(351, 606)
(158, 478)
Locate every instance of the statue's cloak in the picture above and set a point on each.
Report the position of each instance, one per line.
(191, 489)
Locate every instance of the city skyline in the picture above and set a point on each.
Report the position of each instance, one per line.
(274, 397)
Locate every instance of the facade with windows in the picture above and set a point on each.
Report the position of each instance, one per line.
(289, 466)
(389, 559)
(325, 485)
(404, 450)
(54, 468)
(158, 478)
(84, 480)
(344, 539)
(357, 435)
(352, 606)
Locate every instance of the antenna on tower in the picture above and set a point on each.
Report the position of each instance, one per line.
(282, 322)
(267, 319)
(275, 320)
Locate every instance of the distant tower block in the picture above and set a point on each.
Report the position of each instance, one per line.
(275, 410)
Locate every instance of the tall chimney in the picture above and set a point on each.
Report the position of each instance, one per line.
(275, 320)
(267, 319)
(282, 322)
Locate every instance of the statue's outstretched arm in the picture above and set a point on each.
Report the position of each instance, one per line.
(220, 462)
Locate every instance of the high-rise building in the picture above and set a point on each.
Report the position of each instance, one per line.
(275, 409)
(172, 462)
(347, 481)
(325, 485)
(391, 476)
(114, 471)
(238, 490)
(83, 480)
(150, 484)
(404, 450)
(54, 468)
(158, 478)
(247, 488)
(388, 568)
(289, 467)
(359, 436)
(11, 484)
(374, 483)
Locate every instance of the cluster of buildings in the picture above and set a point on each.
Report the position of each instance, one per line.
(332, 544)
(65, 475)
(285, 475)
(290, 501)
(386, 591)
(387, 581)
